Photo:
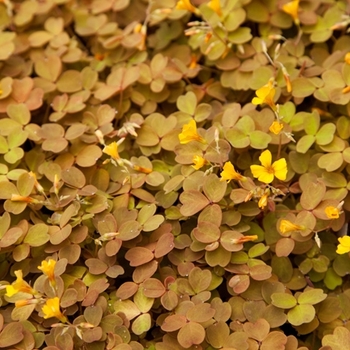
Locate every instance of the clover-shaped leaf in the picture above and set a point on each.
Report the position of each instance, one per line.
(339, 340)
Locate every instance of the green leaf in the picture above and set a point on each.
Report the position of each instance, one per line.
(25, 184)
(301, 314)
(332, 280)
(237, 138)
(7, 189)
(202, 112)
(311, 123)
(330, 161)
(3, 145)
(234, 18)
(325, 135)
(129, 230)
(246, 124)
(187, 103)
(302, 87)
(312, 296)
(214, 188)
(312, 195)
(304, 143)
(127, 307)
(257, 250)
(259, 139)
(37, 235)
(346, 155)
(142, 324)
(283, 300)
(19, 112)
(14, 155)
(240, 36)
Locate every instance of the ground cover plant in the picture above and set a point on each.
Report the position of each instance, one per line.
(174, 174)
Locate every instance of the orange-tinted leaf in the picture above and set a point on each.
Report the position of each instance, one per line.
(191, 333)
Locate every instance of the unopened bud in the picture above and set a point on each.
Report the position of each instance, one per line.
(346, 90)
(100, 137)
(56, 185)
(209, 48)
(26, 199)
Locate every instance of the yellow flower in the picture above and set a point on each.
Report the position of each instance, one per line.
(52, 309)
(346, 90)
(112, 150)
(344, 246)
(26, 199)
(142, 29)
(193, 63)
(25, 302)
(48, 268)
(229, 173)
(332, 212)
(244, 239)
(292, 8)
(286, 226)
(347, 58)
(142, 169)
(199, 162)
(189, 133)
(36, 183)
(215, 6)
(19, 286)
(186, 5)
(265, 95)
(263, 201)
(267, 171)
(276, 127)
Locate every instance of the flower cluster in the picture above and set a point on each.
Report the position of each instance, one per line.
(50, 307)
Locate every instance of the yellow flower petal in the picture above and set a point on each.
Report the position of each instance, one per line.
(263, 201)
(261, 173)
(344, 241)
(19, 286)
(266, 158)
(199, 162)
(48, 268)
(332, 212)
(347, 58)
(292, 8)
(112, 150)
(344, 246)
(257, 101)
(215, 6)
(342, 250)
(189, 133)
(11, 290)
(287, 226)
(280, 169)
(52, 309)
(276, 127)
(266, 172)
(185, 5)
(229, 173)
(265, 95)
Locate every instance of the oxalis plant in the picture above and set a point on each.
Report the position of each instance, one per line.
(174, 174)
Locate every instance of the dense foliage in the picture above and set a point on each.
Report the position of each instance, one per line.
(174, 174)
